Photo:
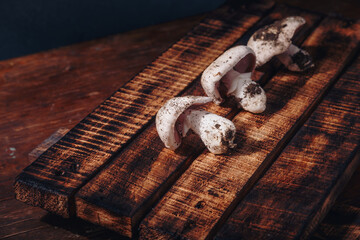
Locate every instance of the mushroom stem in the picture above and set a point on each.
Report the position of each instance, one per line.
(234, 81)
(296, 59)
(216, 132)
(248, 94)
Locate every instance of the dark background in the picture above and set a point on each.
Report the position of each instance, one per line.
(28, 26)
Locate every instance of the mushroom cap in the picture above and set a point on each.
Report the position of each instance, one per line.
(169, 113)
(217, 133)
(253, 97)
(240, 58)
(274, 39)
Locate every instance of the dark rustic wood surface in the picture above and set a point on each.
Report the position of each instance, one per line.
(45, 91)
(52, 180)
(288, 201)
(217, 183)
(135, 179)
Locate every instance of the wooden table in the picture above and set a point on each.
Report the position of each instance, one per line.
(42, 92)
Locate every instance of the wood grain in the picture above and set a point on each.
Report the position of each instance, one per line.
(212, 186)
(300, 187)
(343, 220)
(47, 143)
(136, 179)
(51, 181)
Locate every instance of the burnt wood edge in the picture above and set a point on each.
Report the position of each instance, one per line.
(101, 213)
(21, 180)
(260, 172)
(24, 190)
(329, 200)
(138, 214)
(283, 143)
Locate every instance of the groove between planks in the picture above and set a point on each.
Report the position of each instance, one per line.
(218, 183)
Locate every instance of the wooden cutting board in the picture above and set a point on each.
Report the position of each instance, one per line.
(290, 164)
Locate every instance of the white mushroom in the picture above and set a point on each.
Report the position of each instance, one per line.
(178, 115)
(275, 40)
(232, 71)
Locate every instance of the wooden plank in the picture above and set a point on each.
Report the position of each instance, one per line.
(343, 219)
(51, 181)
(208, 191)
(298, 189)
(136, 179)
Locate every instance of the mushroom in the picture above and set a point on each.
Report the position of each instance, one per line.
(275, 40)
(180, 114)
(231, 72)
